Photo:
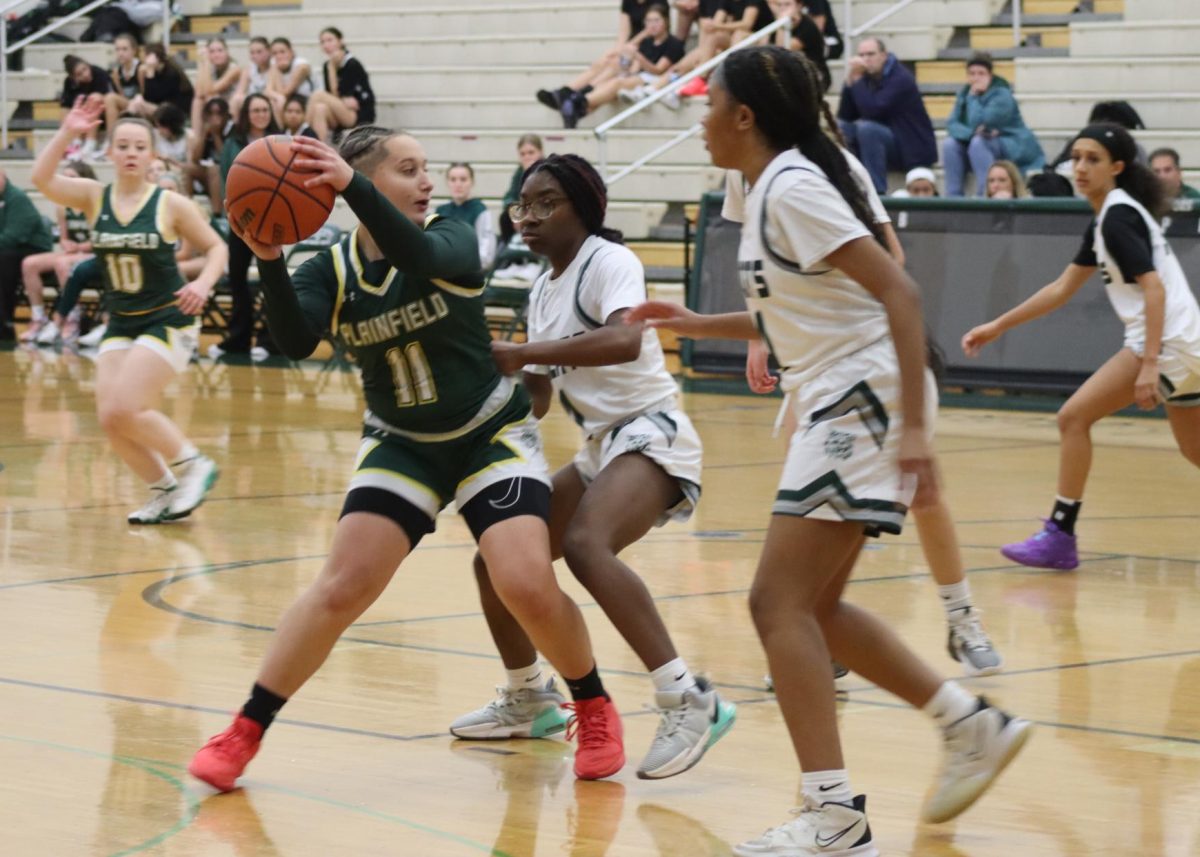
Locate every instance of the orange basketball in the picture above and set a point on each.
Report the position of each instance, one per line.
(265, 195)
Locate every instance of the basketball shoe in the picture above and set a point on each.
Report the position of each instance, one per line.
(978, 748)
(1051, 548)
(597, 725)
(223, 759)
(196, 476)
(969, 644)
(524, 713)
(830, 829)
(156, 510)
(690, 722)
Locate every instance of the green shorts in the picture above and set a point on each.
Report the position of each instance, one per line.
(167, 332)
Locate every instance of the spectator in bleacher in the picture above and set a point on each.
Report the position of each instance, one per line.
(689, 12)
(529, 151)
(190, 260)
(160, 81)
(172, 139)
(202, 169)
(217, 76)
(290, 75)
(1004, 181)
(821, 12)
(75, 243)
(22, 233)
(1165, 163)
(255, 121)
(347, 100)
(254, 78)
(919, 183)
(656, 53)
(83, 79)
(882, 114)
(734, 20)
(986, 126)
(124, 77)
(1118, 113)
(293, 118)
(460, 178)
(156, 170)
(609, 64)
(803, 35)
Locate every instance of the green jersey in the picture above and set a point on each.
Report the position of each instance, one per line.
(79, 228)
(421, 342)
(138, 257)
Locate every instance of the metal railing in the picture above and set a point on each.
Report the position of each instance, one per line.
(6, 49)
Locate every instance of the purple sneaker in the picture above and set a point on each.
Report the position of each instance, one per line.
(1051, 548)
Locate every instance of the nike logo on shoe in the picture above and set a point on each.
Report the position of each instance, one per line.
(824, 841)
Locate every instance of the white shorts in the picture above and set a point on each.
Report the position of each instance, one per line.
(1179, 378)
(843, 460)
(667, 438)
(176, 345)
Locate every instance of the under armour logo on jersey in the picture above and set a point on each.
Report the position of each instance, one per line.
(511, 497)
(754, 284)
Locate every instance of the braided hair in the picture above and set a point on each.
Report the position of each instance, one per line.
(785, 93)
(362, 147)
(585, 189)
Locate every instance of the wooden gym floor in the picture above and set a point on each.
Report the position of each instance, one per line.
(122, 649)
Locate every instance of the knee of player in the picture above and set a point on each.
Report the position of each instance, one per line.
(1072, 421)
(530, 597)
(581, 548)
(348, 590)
(116, 414)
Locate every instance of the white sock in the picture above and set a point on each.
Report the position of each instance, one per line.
(186, 453)
(526, 677)
(956, 599)
(951, 704)
(828, 786)
(38, 312)
(167, 483)
(673, 677)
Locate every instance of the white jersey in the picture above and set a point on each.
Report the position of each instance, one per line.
(1181, 323)
(258, 79)
(735, 192)
(603, 277)
(810, 314)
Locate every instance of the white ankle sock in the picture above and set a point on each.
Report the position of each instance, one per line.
(526, 677)
(956, 599)
(826, 786)
(186, 453)
(38, 312)
(951, 704)
(167, 483)
(673, 677)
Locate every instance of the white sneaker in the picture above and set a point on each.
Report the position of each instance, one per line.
(157, 510)
(35, 327)
(978, 748)
(215, 352)
(691, 722)
(828, 829)
(671, 101)
(970, 645)
(524, 713)
(258, 353)
(48, 334)
(195, 477)
(92, 338)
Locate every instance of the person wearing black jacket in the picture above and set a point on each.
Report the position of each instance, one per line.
(347, 100)
(83, 78)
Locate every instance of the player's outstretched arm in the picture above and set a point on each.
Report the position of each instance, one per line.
(1044, 301)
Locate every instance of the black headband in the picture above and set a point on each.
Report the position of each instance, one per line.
(1115, 139)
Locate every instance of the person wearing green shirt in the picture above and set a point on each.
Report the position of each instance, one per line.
(1165, 163)
(442, 424)
(22, 233)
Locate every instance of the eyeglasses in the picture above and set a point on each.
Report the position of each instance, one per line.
(541, 209)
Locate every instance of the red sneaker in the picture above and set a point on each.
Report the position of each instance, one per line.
(221, 761)
(696, 87)
(601, 752)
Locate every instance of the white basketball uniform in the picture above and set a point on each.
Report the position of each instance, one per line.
(832, 340)
(628, 408)
(1179, 360)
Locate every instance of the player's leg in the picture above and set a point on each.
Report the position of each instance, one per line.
(32, 268)
(1107, 391)
(1185, 425)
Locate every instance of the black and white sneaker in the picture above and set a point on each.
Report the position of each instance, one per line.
(818, 830)
(969, 644)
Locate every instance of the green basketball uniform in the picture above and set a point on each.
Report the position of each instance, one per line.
(79, 228)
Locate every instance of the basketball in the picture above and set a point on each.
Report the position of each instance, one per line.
(266, 197)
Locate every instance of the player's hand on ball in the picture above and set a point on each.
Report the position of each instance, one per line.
(507, 356)
(324, 160)
(266, 252)
(977, 337)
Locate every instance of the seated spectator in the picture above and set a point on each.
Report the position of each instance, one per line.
(172, 139)
(190, 262)
(529, 152)
(1118, 113)
(83, 79)
(920, 183)
(347, 100)
(202, 171)
(22, 233)
(1165, 163)
(289, 74)
(882, 115)
(217, 76)
(155, 171)
(656, 52)
(689, 12)
(255, 77)
(124, 77)
(75, 243)
(160, 81)
(609, 64)
(293, 118)
(985, 126)
(255, 121)
(822, 14)
(804, 36)
(466, 209)
(1004, 181)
